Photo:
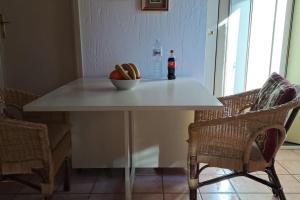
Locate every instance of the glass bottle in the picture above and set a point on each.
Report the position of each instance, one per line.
(171, 66)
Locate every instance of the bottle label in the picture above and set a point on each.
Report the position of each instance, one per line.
(156, 52)
(172, 64)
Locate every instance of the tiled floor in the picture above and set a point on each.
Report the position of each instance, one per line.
(166, 184)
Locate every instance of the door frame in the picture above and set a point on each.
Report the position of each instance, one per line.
(221, 46)
(77, 38)
(2, 70)
(211, 44)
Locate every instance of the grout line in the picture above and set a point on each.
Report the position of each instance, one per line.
(278, 163)
(234, 189)
(93, 187)
(162, 184)
(289, 173)
(294, 176)
(291, 147)
(198, 191)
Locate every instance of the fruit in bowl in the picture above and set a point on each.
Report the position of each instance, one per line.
(125, 76)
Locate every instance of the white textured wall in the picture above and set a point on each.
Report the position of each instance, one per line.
(117, 31)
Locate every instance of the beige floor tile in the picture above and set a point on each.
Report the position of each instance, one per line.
(297, 177)
(148, 184)
(219, 197)
(148, 197)
(221, 187)
(297, 151)
(80, 184)
(70, 197)
(179, 197)
(175, 184)
(36, 180)
(289, 184)
(212, 170)
(257, 197)
(148, 171)
(28, 197)
(287, 155)
(7, 197)
(246, 185)
(109, 181)
(10, 187)
(292, 196)
(174, 171)
(227, 171)
(292, 166)
(111, 184)
(107, 197)
(279, 169)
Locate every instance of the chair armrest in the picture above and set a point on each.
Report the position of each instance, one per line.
(233, 105)
(22, 141)
(18, 98)
(238, 131)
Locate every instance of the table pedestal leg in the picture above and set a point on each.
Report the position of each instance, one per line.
(129, 168)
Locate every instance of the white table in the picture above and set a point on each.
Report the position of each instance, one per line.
(100, 95)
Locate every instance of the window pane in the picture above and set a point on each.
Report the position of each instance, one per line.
(237, 44)
(279, 35)
(260, 42)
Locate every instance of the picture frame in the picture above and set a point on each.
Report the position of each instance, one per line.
(155, 5)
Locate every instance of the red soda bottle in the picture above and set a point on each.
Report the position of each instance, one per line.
(171, 66)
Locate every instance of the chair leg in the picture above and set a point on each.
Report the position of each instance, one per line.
(273, 175)
(193, 194)
(193, 177)
(275, 192)
(67, 173)
(47, 197)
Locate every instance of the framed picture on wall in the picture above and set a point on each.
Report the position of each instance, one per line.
(155, 5)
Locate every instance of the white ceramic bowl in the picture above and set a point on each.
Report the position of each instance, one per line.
(125, 84)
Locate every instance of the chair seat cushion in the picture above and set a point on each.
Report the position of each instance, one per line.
(276, 91)
(56, 132)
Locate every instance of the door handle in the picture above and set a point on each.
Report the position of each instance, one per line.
(210, 33)
(3, 24)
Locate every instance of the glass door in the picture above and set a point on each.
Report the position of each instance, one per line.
(255, 44)
(237, 45)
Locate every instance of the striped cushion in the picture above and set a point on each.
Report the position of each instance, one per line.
(276, 91)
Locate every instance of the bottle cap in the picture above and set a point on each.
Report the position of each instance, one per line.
(172, 51)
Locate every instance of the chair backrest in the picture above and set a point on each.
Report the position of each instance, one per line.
(16, 97)
(294, 112)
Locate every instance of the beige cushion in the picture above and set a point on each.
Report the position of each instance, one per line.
(56, 132)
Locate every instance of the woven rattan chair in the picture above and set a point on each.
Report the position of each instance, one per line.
(38, 144)
(229, 138)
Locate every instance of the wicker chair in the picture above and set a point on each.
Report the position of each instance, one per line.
(38, 144)
(228, 138)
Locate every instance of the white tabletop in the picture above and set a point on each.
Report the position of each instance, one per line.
(100, 95)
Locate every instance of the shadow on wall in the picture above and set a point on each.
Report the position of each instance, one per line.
(39, 52)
